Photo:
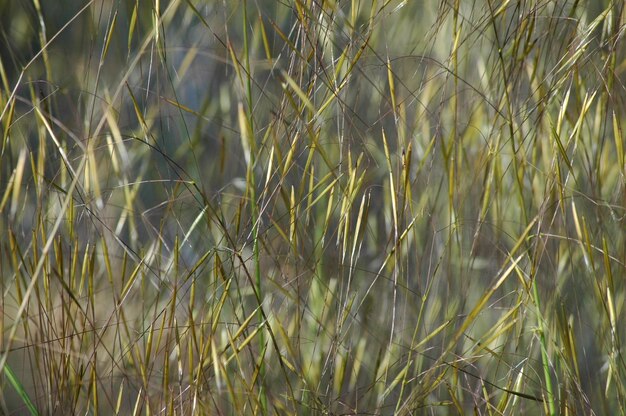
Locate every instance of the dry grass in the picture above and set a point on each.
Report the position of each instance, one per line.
(312, 207)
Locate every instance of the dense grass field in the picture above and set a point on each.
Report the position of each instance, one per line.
(312, 207)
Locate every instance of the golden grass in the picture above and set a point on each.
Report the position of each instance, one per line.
(308, 207)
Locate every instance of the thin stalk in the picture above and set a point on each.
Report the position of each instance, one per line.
(544, 352)
(253, 204)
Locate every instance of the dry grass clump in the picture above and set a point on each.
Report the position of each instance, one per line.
(312, 207)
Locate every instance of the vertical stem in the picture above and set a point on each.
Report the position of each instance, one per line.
(253, 207)
(544, 352)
